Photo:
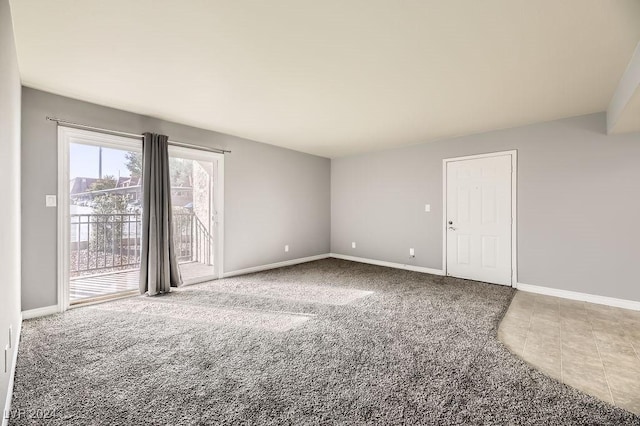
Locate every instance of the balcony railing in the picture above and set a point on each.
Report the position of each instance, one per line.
(112, 242)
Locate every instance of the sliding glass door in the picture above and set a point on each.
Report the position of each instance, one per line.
(100, 212)
(196, 197)
(102, 203)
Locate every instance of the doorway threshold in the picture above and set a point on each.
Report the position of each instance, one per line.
(102, 299)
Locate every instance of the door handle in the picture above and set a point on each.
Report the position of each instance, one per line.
(452, 228)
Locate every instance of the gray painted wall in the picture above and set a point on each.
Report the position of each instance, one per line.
(273, 196)
(9, 193)
(578, 204)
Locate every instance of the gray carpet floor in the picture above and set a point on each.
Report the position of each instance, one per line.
(327, 342)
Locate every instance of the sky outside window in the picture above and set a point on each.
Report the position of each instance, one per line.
(84, 162)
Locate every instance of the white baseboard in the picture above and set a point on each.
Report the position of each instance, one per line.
(275, 265)
(40, 312)
(389, 264)
(583, 297)
(12, 375)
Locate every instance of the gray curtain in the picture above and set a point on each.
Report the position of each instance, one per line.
(158, 264)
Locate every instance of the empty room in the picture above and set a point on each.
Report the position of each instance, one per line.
(329, 212)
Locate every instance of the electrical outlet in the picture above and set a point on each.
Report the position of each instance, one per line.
(427, 207)
(412, 252)
(286, 248)
(353, 244)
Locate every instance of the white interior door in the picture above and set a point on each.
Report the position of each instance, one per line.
(478, 219)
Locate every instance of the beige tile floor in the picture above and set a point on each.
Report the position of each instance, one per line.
(594, 348)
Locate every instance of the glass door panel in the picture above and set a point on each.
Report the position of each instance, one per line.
(193, 197)
(105, 207)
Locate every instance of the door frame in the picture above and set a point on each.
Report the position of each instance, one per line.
(217, 203)
(514, 207)
(66, 136)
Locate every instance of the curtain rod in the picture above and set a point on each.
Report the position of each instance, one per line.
(132, 135)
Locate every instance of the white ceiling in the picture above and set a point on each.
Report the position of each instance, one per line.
(332, 77)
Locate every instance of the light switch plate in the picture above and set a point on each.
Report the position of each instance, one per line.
(50, 200)
(286, 248)
(353, 244)
(427, 207)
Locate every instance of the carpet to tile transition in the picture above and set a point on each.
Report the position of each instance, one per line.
(327, 342)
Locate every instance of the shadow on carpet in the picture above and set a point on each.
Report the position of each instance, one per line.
(327, 342)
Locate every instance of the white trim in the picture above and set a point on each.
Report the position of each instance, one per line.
(220, 210)
(12, 375)
(584, 297)
(276, 265)
(63, 219)
(388, 264)
(40, 312)
(514, 207)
